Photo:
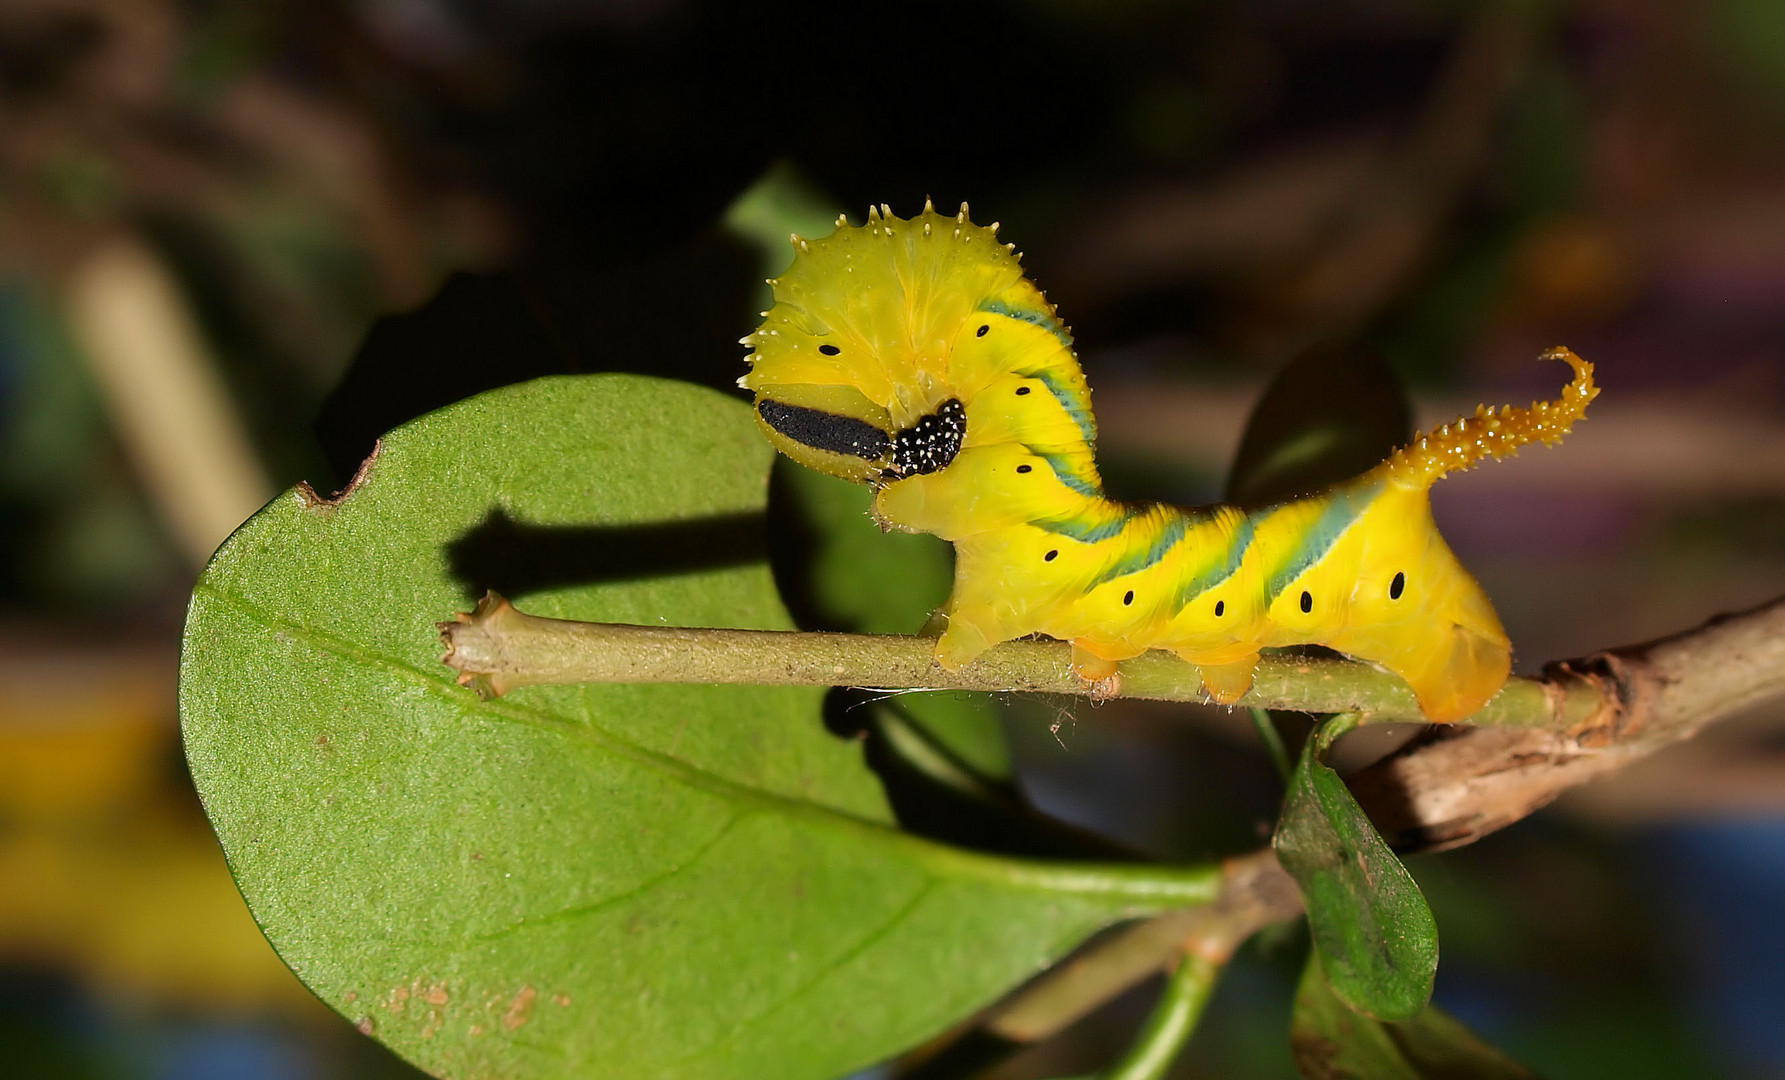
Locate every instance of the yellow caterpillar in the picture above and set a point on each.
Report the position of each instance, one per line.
(914, 355)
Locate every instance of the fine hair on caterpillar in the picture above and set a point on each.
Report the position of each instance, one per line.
(914, 355)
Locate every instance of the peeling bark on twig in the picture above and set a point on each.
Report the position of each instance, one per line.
(1458, 784)
(1451, 788)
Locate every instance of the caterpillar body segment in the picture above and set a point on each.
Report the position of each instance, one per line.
(914, 356)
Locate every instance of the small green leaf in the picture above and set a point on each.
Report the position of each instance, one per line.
(943, 754)
(848, 575)
(1331, 1041)
(783, 201)
(1371, 927)
(592, 881)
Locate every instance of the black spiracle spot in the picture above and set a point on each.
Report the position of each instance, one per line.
(829, 350)
(1025, 468)
(982, 330)
(1022, 391)
(1129, 599)
(1397, 586)
(1307, 601)
(1220, 608)
(1050, 556)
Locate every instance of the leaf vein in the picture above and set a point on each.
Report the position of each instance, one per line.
(879, 933)
(581, 910)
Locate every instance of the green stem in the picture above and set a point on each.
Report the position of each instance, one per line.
(1172, 1022)
(1272, 740)
(498, 648)
(916, 748)
(1255, 892)
(1142, 886)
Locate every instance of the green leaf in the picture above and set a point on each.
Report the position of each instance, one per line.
(1371, 927)
(1333, 412)
(664, 881)
(1331, 1041)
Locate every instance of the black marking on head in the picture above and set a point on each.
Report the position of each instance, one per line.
(1129, 599)
(1220, 606)
(1307, 601)
(1397, 586)
(930, 444)
(1021, 390)
(829, 350)
(825, 431)
(981, 331)
(1024, 468)
(1051, 556)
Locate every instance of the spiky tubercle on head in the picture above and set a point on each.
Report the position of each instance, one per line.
(877, 306)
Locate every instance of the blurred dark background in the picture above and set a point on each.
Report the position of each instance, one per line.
(206, 206)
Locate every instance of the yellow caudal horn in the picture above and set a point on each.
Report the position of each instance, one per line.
(1495, 434)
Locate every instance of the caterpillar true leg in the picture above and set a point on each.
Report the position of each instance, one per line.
(964, 639)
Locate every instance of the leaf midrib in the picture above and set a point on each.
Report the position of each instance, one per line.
(1145, 887)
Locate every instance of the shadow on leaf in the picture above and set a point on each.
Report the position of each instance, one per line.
(515, 558)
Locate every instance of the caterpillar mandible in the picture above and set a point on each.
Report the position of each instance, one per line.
(915, 356)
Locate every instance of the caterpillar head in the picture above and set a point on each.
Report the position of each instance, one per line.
(857, 369)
